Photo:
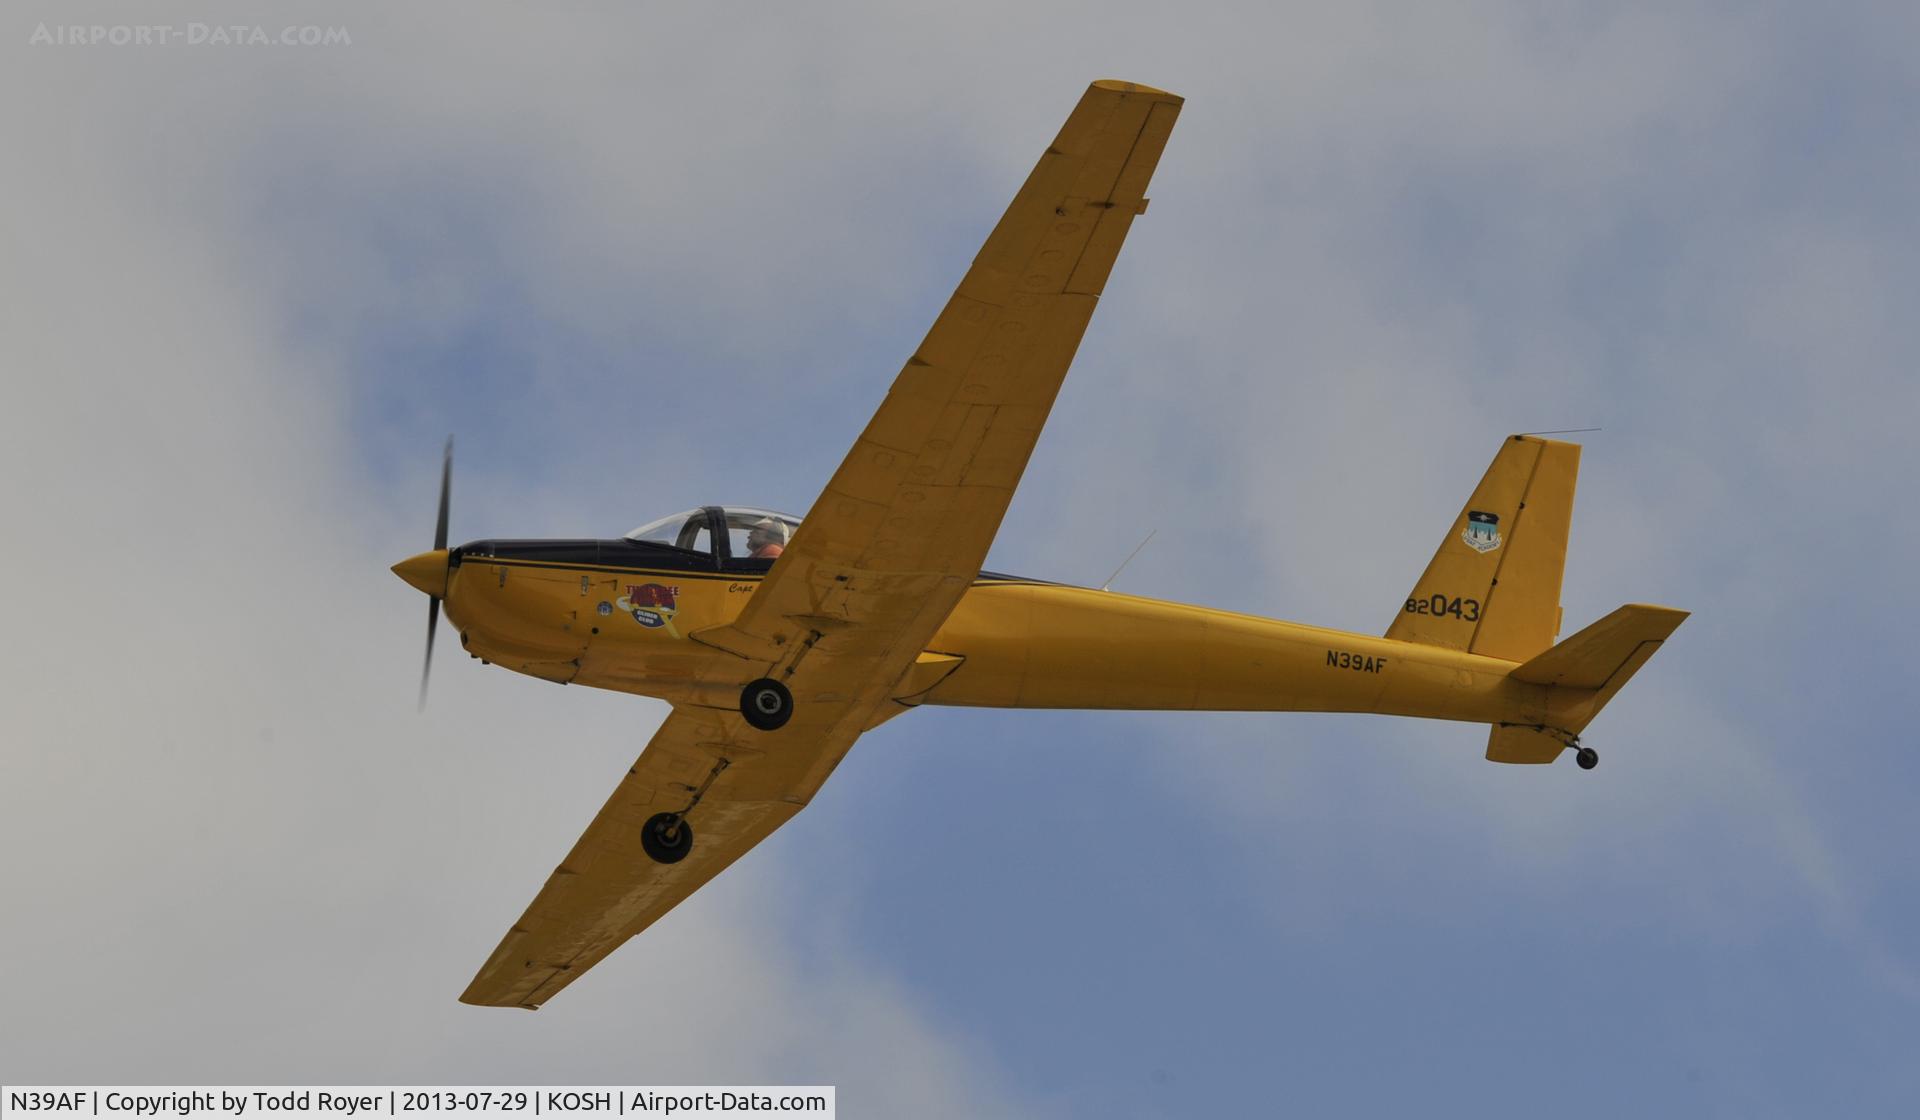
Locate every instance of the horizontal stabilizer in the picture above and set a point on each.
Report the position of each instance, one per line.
(1595, 656)
(1592, 665)
(1524, 745)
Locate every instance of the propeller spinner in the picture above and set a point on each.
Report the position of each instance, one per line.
(428, 570)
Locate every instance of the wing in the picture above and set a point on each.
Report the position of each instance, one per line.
(877, 564)
(608, 888)
(902, 529)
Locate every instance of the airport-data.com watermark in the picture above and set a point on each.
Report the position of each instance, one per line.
(186, 35)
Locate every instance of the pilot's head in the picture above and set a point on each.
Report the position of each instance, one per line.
(766, 531)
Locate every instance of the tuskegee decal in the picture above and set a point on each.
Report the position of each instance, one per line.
(652, 605)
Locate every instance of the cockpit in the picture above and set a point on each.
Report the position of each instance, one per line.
(735, 538)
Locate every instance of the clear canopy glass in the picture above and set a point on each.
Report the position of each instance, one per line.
(687, 529)
(752, 534)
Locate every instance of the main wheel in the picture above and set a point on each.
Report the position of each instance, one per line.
(1586, 758)
(767, 704)
(667, 837)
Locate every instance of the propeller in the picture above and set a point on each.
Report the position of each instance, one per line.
(439, 544)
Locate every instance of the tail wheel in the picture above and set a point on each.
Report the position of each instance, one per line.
(667, 837)
(1586, 758)
(767, 704)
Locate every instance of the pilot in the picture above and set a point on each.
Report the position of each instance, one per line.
(767, 539)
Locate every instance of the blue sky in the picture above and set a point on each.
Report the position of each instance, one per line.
(642, 259)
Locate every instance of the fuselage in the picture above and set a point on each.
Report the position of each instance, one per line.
(624, 614)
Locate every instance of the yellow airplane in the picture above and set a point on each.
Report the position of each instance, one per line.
(779, 640)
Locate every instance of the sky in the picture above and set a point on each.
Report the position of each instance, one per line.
(641, 257)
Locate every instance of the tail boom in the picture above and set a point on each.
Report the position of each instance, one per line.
(1031, 645)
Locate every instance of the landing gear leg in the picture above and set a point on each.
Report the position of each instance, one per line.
(767, 704)
(666, 837)
(1586, 758)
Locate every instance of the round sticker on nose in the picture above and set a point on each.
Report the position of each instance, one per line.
(652, 605)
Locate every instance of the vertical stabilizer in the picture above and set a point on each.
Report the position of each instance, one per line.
(1493, 587)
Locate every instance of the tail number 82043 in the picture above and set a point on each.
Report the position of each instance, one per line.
(1439, 603)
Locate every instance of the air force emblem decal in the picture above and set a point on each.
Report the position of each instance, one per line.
(1482, 533)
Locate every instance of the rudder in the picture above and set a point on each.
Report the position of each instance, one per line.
(1493, 586)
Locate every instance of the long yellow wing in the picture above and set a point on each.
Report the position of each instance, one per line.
(877, 564)
(903, 527)
(608, 888)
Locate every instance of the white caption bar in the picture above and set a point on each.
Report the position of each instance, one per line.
(401, 1102)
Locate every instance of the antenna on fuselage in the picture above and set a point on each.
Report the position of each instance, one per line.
(1107, 586)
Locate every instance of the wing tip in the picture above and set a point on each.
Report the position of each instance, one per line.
(1671, 617)
(1117, 86)
(471, 999)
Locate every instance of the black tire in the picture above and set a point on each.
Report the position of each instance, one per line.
(1586, 758)
(667, 837)
(767, 704)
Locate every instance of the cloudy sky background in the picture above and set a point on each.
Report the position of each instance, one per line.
(664, 254)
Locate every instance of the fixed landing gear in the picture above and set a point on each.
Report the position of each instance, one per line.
(667, 837)
(1586, 758)
(767, 704)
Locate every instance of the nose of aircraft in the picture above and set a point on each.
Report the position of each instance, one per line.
(427, 571)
